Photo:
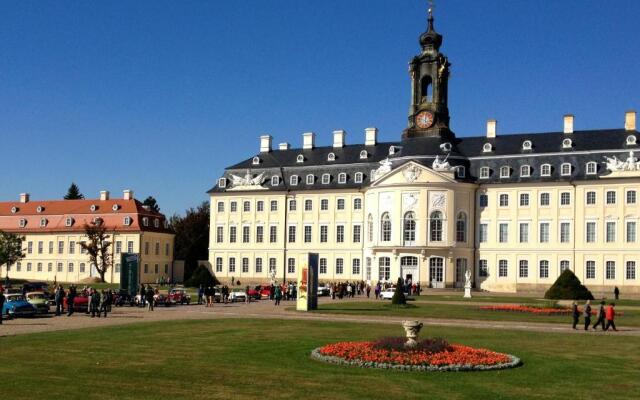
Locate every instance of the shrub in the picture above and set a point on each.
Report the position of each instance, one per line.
(568, 287)
(398, 297)
(201, 276)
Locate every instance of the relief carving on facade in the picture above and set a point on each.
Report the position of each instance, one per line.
(438, 200)
(409, 201)
(247, 182)
(614, 164)
(411, 173)
(386, 202)
(385, 166)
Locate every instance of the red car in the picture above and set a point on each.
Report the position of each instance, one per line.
(264, 291)
(179, 296)
(80, 303)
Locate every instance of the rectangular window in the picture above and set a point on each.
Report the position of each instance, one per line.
(355, 264)
(544, 269)
(219, 234)
(293, 205)
(544, 232)
(50, 247)
(70, 267)
(245, 265)
(504, 200)
(357, 204)
(591, 198)
(524, 199)
(610, 232)
(130, 246)
(591, 232)
(273, 234)
(50, 267)
(545, 199)
(565, 232)
(29, 247)
(157, 247)
(233, 206)
(483, 268)
(610, 270)
(167, 249)
(503, 233)
(291, 266)
(523, 270)
(357, 233)
(339, 266)
(245, 234)
(611, 197)
(324, 232)
(118, 247)
(307, 233)
(39, 267)
(524, 232)
(146, 268)
(272, 266)
(292, 234)
(323, 265)
(146, 247)
(565, 199)
(232, 265)
(59, 267)
(40, 247)
(340, 234)
(503, 268)
(260, 206)
(484, 172)
(324, 205)
(258, 265)
(631, 270)
(631, 231)
(308, 205)
(564, 264)
(259, 234)
(156, 269)
(233, 234)
(220, 207)
(340, 204)
(631, 197)
(274, 205)
(218, 264)
(483, 233)
(60, 247)
(590, 270)
(483, 200)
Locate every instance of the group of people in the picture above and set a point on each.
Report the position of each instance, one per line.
(605, 316)
(99, 302)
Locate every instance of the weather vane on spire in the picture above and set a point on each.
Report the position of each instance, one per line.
(431, 6)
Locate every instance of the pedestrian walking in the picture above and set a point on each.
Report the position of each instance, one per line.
(143, 294)
(278, 295)
(104, 303)
(59, 299)
(201, 294)
(94, 303)
(587, 315)
(616, 293)
(610, 314)
(601, 314)
(149, 297)
(71, 296)
(576, 314)
(246, 294)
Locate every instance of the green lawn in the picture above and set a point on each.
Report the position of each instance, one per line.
(455, 311)
(269, 359)
(512, 299)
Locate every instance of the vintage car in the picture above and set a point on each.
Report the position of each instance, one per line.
(323, 290)
(80, 303)
(387, 294)
(16, 305)
(40, 301)
(264, 291)
(36, 287)
(237, 295)
(179, 296)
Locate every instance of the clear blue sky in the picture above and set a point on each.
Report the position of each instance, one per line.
(160, 96)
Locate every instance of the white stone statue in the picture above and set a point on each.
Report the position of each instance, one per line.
(412, 329)
(385, 166)
(442, 164)
(411, 173)
(248, 181)
(614, 164)
(467, 284)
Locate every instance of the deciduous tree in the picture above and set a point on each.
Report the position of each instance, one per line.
(97, 246)
(192, 236)
(11, 250)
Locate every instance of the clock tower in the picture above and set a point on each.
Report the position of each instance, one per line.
(429, 71)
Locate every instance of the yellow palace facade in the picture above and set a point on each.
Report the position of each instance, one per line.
(515, 210)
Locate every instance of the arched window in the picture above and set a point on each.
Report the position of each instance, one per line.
(363, 154)
(545, 170)
(358, 177)
(435, 226)
(331, 157)
(370, 227)
(426, 88)
(461, 227)
(409, 229)
(385, 228)
(525, 171)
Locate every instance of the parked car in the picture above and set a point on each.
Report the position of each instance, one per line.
(237, 295)
(387, 294)
(80, 303)
(323, 291)
(264, 291)
(122, 297)
(40, 301)
(163, 299)
(36, 287)
(179, 296)
(16, 305)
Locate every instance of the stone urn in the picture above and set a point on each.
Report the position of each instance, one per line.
(412, 328)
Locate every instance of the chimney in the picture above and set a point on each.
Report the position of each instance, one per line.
(104, 195)
(492, 127)
(370, 136)
(568, 123)
(338, 138)
(630, 121)
(265, 143)
(308, 140)
(283, 146)
(24, 197)
(127, 194)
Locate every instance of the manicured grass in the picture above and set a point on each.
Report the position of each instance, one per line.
(269, 359)
(512, 299)
(455, 311)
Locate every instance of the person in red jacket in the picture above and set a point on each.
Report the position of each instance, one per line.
(610, 315)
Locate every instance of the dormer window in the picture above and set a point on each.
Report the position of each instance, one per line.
(22, 223)
(275, 181)
(14, 210)
(525, 171)
(222, 182)
(631, 140)
(392, 150)
(126, 221)
(527, 145)
(358, 177)
(300, 158)
(166, 224)
(310, 179)
(39, 209)
(43, 222)
(156, 223)
(446, 147)
(98, 221)
(363, 154)
(567, 143)
(592, 168)
(545, 170)
(342, 178)
(565, 169)
(331, 157)
(256, 161)
(505, 171)
(487, 148)
(461, 171)
(93, 207)
(484, 172)
(326, 179)
(145, 221)
(293, 181)
(69, 222)
(115, 207)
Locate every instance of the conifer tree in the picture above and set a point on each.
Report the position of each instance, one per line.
(73, 193)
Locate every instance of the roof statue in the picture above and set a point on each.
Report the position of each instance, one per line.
(442, 165)
(247, 182)
(385, 166)
(614, 164)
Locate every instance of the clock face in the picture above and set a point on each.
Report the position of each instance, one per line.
(424, 119)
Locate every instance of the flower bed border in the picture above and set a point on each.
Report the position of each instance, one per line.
(515, 362)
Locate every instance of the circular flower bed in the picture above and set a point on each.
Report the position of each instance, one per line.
(429, 355)
(528, 309)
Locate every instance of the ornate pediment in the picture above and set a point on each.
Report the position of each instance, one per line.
(413, 173)
(247, 182)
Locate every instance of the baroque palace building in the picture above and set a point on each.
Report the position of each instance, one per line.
(516, 210)
(54, 229)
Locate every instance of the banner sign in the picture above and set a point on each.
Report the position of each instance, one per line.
(129, 265)
(308, 284)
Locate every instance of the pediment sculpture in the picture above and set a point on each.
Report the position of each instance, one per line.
(248, 181)
(614, 164)
(442, 165)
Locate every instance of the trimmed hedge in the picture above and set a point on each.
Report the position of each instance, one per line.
(568, 287)
(398, 296)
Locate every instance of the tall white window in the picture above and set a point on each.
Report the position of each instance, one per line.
(591, 198)
(483, 268)
(307, 233)
(245, 265)
(610, 234)
(323, 266)
(565, 199)
(524, 232)
(245, 234)
(564, 265)
(232, 265)
(461, 227)
(631, 231)
(590, 270)
(233, 234)
(483, 233)
(565, 169)
(610, 270)
(545, 199)
(505, 171)
(355, 266)
(219, 234)
(291, 266)
(273, 234)
(339, 266)
(503, 268)
(523, 269)
(503, 232)
(592, 168)
(273, 206)
(630, 272)
(258, 265)
(340, 234)
(259, 234)
(503, 200)
(591, 232)
(611, 197)
(435, 226)
(324, 204)
(385, 231)
(357, 204)
(357, 233)
(246, 206)
(326, 179)
(218, 264)
(544, 269)
(565, 232)
(544, 232)
(342, 178)
(293, 180)
(631, 197)
(358, 177)
(308, 205)
(324, 233)
(545, 170)
(409, 229)
(340, 204)
(384, 268)
(370, 227)
(310, 179)
(525, 171)
(484, 172)
(524, 199)
(291, 238)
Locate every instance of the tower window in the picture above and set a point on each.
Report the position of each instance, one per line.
(592, 167)
(525, 171)
(293, 181)
(631, 140)
(565, 169)
(426, 88)
(358, 177)
(310, 179)
(342, 178)
(275, 181)
(505, 172)
(484, 172)
(222, 182)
